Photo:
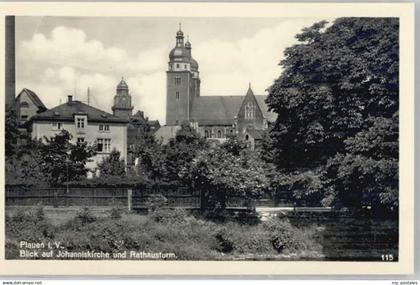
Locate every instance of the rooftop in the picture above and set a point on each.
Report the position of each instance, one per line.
(66, 112)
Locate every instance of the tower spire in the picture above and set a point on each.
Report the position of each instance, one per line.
(179, 24)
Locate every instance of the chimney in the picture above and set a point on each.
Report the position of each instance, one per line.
(70, 98)
(10, 62)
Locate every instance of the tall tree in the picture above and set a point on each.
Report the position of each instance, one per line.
(63, 160)
(180, 152)
(220, 171)
(335, 84)
(112, 165)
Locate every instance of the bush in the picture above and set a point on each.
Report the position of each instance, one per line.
(284, 237)
(115, 214)
(164, 230)
(171, 216)
(81, 219)
(85, 216)
(224, 239)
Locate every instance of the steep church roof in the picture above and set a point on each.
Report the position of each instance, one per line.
(222, 110)
(270, 116)
(215, 110)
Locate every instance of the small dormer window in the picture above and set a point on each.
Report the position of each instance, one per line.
(81, 122)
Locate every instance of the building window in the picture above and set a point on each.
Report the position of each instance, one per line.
(80, 123)
(57, 126)
(249, 110)
(177, 95)
(103, 127)
(103, 145)
(177, 80)
(24, 105)
(24, 117)
(246, 137)
(185, 66)
(80, 140)
(100, 145)
(219, 134)
(177, 65)
(206, 133)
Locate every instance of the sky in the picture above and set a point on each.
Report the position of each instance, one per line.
(60, 56)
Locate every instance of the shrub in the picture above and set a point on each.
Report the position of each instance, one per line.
(171, 216)
(115, 214)
(85, 216)
(224, 239)
(284, 237)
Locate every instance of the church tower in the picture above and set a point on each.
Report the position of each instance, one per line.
(182, 82)
(122, 101)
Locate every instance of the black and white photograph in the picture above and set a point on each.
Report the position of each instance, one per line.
(192, 138)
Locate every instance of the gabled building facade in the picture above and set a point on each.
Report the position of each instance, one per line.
(27, 104)
(86, 124)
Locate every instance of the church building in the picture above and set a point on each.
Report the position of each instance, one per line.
(214, 117)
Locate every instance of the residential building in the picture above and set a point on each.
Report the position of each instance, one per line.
(27, 104)
(86, 124)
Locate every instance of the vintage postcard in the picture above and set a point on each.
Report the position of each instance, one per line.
(207, 139)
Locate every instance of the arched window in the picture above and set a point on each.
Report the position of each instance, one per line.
(219, 134)
(24, 105)
(246, 137)
(249, 110)
(206, 133)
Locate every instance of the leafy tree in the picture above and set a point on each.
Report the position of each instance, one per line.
(152, 163)
(112, 165)
(367, 173)
(25, 169)
(219, 171)
(180, 152)
(63, 160)
(336, 83)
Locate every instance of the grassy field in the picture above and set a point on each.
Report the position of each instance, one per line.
(309, 236)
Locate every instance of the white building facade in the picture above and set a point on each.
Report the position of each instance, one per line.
(86, 124)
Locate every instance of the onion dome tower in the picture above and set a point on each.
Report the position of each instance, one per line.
(183, 82)
(122, 101)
